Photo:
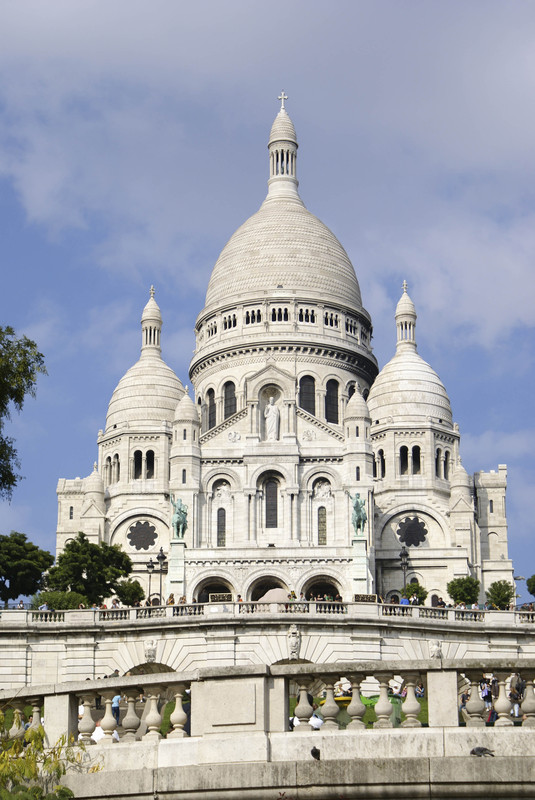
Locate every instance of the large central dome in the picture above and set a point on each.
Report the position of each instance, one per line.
(283, 245)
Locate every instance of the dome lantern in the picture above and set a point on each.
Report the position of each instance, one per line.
(405, 321)
(151, 328)
(282, 148)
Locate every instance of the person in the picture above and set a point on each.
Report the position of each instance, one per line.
(21, 604)
(115, 709)
(99, 734)
(115, 603)
(464, 699)
(404, 601)
(43, 607)
(171, 599)
(419, 690)
(271, 415)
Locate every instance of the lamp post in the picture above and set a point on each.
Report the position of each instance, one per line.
(150, 570)
(404, 561)
(161, 561)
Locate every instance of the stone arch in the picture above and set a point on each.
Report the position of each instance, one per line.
(275, 574)
(214, 583)
(320, 585)
(419, 509)
(221, 473)
(149, 668)
(258, 588)
(317, 473)
(123, 522)
(271, 376)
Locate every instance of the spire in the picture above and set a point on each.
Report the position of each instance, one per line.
(282, 156)
(405, 321)
(151, 328)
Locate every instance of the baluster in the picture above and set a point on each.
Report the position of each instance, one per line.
(356, 708)
(153, 718)
(86, 725)
(330, 707)
(527, 706)
(17, 729)
(179, 717)
(411, 706)
(383, 707)
(36, 713)
(108, 723)
(303, 710)
(475, 706)
(503, 705)
(131, 721)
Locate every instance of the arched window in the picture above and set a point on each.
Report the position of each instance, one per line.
(183, 476)
(416, 460)
(447, 465)
(271, 495)
(357, 473)
(382, 463)
(71, 512)
(184, 434)
(404, 460)
(107, 471)
(331, 402)
(350, 391)
(491, 506)
(322, 525)
(150, 464)
(221, 527)
(229, 399)
(307, 394)
(438, 458)
(210, 397)
(138, 460)
(116, 469)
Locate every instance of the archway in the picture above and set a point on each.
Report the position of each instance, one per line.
(263, 585)
(213, 586)
(321, 588)
(149, 668)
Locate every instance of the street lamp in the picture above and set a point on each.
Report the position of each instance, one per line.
(161, 561)
(404, 561)
(150, 570)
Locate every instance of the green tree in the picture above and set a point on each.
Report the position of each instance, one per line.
(415, 588)
(94, 570)
(59, 601)
(22, 566)
(130, 592)
(500, 594)
(530, 583)
(20, 364)
(464, 590)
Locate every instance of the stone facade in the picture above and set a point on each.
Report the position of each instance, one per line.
(288, 426)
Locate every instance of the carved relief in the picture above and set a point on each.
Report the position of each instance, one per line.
(294, 642)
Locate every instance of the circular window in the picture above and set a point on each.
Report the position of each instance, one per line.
(412, 531)
(142, 535)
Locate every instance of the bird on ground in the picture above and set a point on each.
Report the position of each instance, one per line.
(315, 753)
(481, 751)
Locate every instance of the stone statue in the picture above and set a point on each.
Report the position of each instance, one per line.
(180, 517)
(272, 415)
(359, 516)
(294, 642)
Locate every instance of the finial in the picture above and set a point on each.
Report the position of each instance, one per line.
(404, 287)
(282, 97)
(94, 466)
(187, 390)
(152, 292)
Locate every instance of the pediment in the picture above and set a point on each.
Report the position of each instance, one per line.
(90, 510)
(271, 373)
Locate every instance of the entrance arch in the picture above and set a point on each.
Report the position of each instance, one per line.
(263, 585)
(213, 585)
(321, 586)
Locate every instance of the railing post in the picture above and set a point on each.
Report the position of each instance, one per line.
(330, 708)
(153, 718)
(36, 703)
(411, 706)
(442, 698)
(503, 705)
(356, 708)
(61, 717)
(475, 705)
(86, 725)
(303, 710)
(17, 729)
(528, 704)
(383, 707)
(108, 722)
(179, 717)
(131, 721)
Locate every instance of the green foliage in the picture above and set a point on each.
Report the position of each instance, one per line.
(530, 583)
(94, 570)
(20, 363)
(464, 590)
(500, 594)
(22, 565)
(415, 588)
(130, 592)
(59, 601)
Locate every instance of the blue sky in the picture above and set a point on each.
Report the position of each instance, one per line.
(133, 142)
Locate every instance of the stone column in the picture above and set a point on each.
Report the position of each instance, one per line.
(131, 721)
(527, 706)
(383, 707)
(86, 725)
(411, 706)
(330, 707)
(108, 722)
(475, 706)
(303, 710)
(356, 708)
(153, 718)
(503, 705)
(179, 717)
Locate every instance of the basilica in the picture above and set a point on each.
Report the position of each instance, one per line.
(293, 461)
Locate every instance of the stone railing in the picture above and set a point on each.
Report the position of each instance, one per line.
(357, 611)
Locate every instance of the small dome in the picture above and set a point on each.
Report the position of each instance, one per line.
(152, 312)
(408, 389)
(149, 392)
(357, 407)
(460, 478)
(93, 484)
(186, 410)
(282, 129)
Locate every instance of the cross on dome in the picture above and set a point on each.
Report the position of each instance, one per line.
(405, 287)
(152, 291)
(282, 97)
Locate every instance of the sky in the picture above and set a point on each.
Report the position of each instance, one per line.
(133, 142)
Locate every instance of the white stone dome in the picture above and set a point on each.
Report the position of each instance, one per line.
(186, 410)
(283, 245)
(407, 389)
(150, 390)
(357, 407)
